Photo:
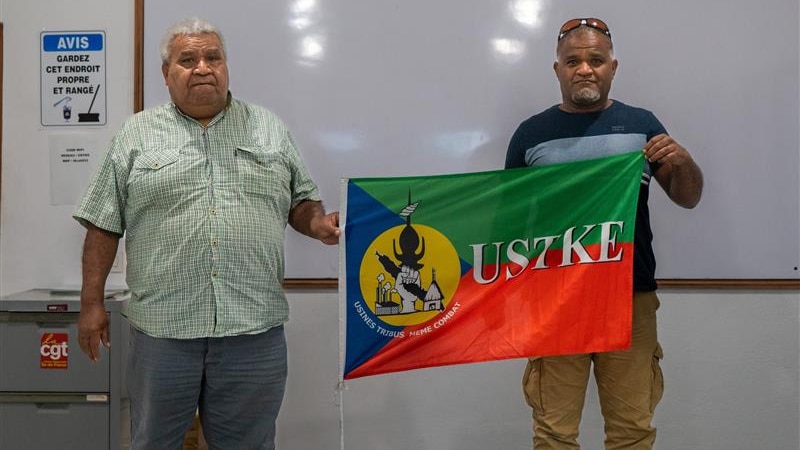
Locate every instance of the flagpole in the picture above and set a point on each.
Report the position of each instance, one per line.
(340, 386)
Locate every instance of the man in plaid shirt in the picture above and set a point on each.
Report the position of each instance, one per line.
(202, 187)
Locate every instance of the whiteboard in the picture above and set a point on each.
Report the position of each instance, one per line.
(411, 87)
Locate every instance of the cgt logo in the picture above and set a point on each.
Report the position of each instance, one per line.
(54, 351)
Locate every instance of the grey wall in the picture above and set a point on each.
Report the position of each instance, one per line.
(730, 368)
(731, 356)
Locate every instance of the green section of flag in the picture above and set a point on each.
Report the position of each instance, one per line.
(503, 205)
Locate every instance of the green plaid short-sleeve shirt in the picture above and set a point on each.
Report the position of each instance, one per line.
(203, 210)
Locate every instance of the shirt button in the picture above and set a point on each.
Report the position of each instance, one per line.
(214, 274)
(212, 211)
(156, 165)
(215, 242)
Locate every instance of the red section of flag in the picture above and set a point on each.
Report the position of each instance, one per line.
(562, 310)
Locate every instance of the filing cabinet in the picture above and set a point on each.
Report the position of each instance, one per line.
(51, 394)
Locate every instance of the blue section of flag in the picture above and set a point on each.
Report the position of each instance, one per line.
(374, 218)
(362, 341)
(465, 266)
(73, 42)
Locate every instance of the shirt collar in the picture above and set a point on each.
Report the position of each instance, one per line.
(215, 119)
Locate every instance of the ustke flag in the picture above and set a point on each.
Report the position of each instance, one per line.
(452, 269)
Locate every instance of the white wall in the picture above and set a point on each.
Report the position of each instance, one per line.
(40, 244)
(731, 357)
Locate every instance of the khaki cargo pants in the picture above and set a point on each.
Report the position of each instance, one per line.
(629, 384)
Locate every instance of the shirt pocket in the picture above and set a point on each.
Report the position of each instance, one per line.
(155, 161)
(155, 178)
(262, 172)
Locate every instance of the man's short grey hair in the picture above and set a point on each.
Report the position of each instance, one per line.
(189, 27)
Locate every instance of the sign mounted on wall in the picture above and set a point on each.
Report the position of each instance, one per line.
(73, 74)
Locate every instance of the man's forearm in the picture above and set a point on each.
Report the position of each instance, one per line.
(99, 251)
(301, 215)
(686, 186)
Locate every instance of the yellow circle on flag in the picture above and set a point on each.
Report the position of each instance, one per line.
(409, 286)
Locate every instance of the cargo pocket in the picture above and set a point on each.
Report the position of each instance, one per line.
(532, 383)
(657, 390)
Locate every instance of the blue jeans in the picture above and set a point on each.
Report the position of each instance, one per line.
(237, 383)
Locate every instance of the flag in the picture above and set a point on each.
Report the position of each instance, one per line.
(461, 268)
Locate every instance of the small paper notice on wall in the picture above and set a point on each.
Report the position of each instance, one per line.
(73, 160)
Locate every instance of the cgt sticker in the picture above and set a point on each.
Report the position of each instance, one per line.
(54, 351)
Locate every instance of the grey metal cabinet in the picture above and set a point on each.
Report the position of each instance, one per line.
(51, 394)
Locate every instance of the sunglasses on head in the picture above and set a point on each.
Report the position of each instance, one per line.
(572, 24)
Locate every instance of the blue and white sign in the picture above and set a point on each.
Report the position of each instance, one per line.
(73, 66)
